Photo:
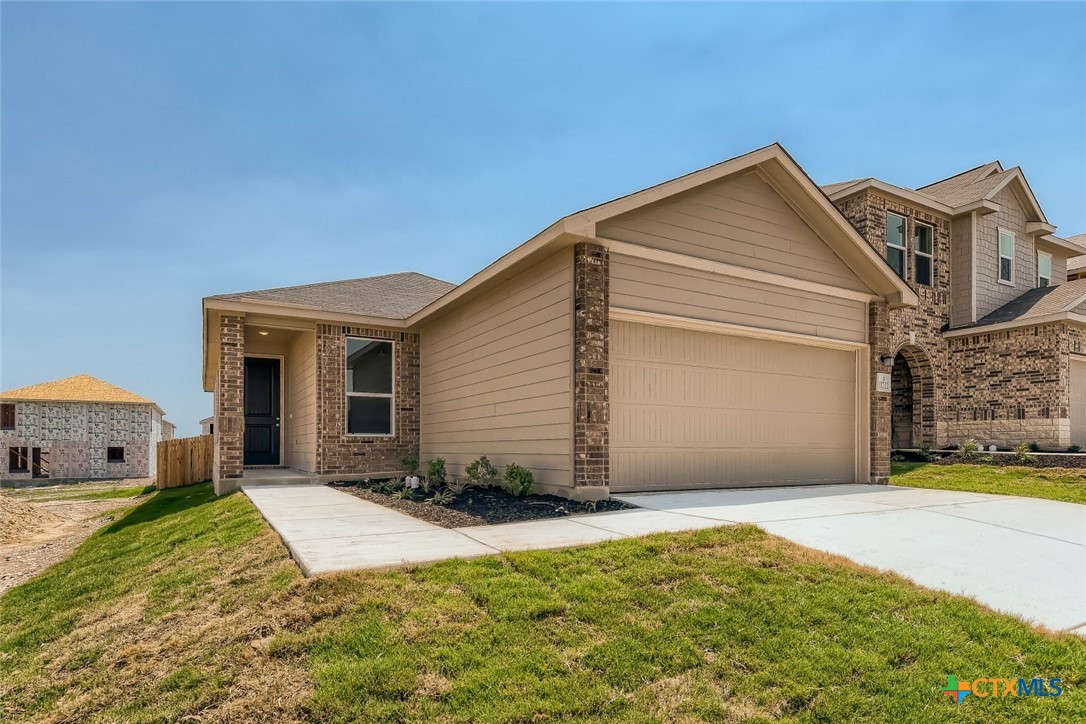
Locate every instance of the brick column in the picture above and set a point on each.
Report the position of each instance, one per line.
(878, 328)
(591, 332)
(229, 404)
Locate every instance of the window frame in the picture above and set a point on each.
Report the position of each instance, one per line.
(25, 456)
(110, 448)
(1000, 233)
(904, 248)
(4, 407)
(1048, 279)
(930, 256)
(390, 396)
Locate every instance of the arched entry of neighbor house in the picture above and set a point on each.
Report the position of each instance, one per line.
(912, 416)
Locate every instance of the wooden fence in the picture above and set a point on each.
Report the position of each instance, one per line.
(184, 461)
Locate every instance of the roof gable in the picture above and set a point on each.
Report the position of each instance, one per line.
(80, 388)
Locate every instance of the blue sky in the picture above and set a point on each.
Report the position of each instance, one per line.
(157, 153)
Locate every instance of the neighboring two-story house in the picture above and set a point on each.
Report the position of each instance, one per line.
(79, 428)
(992, 350)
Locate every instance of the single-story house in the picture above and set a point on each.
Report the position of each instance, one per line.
(79, 428)
(725, 328)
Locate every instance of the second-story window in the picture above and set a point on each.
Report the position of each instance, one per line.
(1006, 257)
(922, 247)
(895, 243)
(1044, 269)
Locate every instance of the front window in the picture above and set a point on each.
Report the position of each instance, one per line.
(114, 454)
(7, 416)
(1006, 257)
(18, 460)
(895, 243)
(1044, 269)
(369, 386)
(922, 245)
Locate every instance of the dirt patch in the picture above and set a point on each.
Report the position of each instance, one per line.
(49, 532)
(20, 521)
(476, 506)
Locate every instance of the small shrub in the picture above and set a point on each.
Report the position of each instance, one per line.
(1034, 447)
(435, 471)
(518, 481)
(458, 486)
(897, 458)
(970, 447)
(441, 497)
(481, 472)
(386, 487)
(404, 494)
(1021, 451)
(1074, 449)
(926, 454)
(409, 464)
(986, 460)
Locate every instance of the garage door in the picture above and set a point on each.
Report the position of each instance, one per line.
(692, 409)
(1078, 401)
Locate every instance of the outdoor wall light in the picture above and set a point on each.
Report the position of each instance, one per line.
(886, 360)
(263, 333)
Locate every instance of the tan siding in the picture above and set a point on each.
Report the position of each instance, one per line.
(1059, 268)
(496, 376)
(649, 286)
(961, 271)
(301, 407)
(740, 220)
(990, 293)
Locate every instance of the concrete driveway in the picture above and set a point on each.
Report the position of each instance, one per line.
(1024, 556)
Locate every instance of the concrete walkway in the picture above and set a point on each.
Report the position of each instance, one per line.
(1019, 555)
(1023, 556)
(327, 530)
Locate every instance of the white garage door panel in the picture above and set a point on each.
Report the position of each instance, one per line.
(695, 409)
(1078, 401)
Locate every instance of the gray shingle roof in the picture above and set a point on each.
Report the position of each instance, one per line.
(391, 296)
(1038, 302)
(965, 188)
(831, 189)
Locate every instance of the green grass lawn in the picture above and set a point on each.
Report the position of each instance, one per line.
(188, 606)
(1051, 483)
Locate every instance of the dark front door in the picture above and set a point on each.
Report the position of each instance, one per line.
(261, 411)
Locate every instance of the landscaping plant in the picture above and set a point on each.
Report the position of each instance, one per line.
(1021, 452)
(409, 464)
(435, 471)
(441, 497)
(481, 472)
(970, 447)
(518, 481)
(458, 486)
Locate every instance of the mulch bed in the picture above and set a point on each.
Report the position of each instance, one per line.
(478, 506)
(1033, 461)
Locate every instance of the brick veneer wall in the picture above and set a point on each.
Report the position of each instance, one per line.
(591, 348)
(230, 401)
(919, 330)
(339, 453)
(1012, 386)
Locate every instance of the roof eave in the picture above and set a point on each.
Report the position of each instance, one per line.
(908, 195)
(1016, 323)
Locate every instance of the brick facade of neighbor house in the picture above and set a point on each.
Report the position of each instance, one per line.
(230, 401)
(339, 453)
(1012, 386)
(915, 332)
(591, 347)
